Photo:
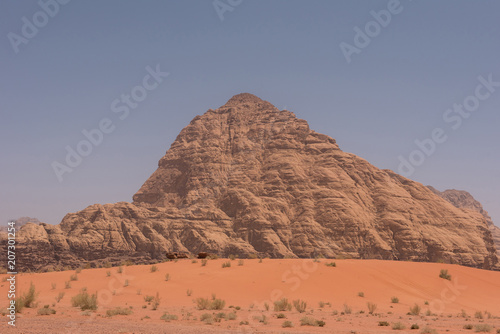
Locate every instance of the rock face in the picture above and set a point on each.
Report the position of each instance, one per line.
(464, 200)
(248, 178)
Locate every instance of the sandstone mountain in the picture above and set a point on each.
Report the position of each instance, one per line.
(463, 200)
(248, 178)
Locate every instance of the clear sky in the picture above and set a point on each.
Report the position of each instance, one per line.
(77, 61)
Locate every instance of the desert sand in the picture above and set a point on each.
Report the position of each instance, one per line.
(248, 286)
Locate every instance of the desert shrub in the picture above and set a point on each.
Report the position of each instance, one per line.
(426, 302)
(73, 277)
(189, 292)
(266, 306)
(119, 270)
(347, 309)
(371, 307)
(478, 315)
(85, 301)
(241, 262)
(280, 316)
(282, 305)
(383, 323)
(126, 283)
(167, 277)
(260, 260)
(232, 257)
(300, 305)
(194, 261)
(67, 285)
(78, 270)
(148, 299)
(398, 326)
(468, 326)
(331, 264)
(231, 316)
(415, 326)
(108, 273)
(139, 292)
(321, 304)
(394, 300)
(46, 311)
(444, 274)
(261, 318)
(483, 328)
(60, 296)
(428, 330)
(361, 294)
(226, 264)
(207, 318)
(217, 304)
(415, 310)
(287, 324)
(202, 303)
(118, 311)
(206, 304)
(53, 286)
(308, 321)
(28, 299)
(156, 302)
(169, 317)
(153, 269)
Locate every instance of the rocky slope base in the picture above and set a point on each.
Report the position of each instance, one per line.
(248, 178)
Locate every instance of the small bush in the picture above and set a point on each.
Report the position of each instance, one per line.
(156, 302)
(415, 326)
(478, 315)
(85, 301)
(53, 286)
(371, 307)
(167, 277)
(226, 264)
(308, 321)
(398, 326)
(148, 299)
(394, 300)
(217, 304)
(468, 326)
(28, 299)
(46, 311)
(108, 273)
(207, 318)
(331, 264)
(206, 304)
(280, 316)
(169, 317)
(153, 269)
(189, 292)
(383, 323)
(73, 277)
(241, 262)
(483, 328)
(282, 305)
(415, 310)
(60, 296)
(428, 330)
(118, 311)
(444, 274)
(67, 285)
(231, 316)
(119, 270)
(287, 324)
(361, 294)
(78, 270)
(204, 262)
(266, 306)
(261, 319)
(300, 305)
(126, 283)
(139, 292)
(232, 257)
(347, 309)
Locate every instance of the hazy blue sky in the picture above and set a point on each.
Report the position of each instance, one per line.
(64, 78)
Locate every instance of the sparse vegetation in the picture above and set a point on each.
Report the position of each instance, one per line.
(232, 257)
(261, 318)
(67, 285)
(331, 264)
(361, 294)
(148, 299)
(73, 277)
(300, 305)
(153, 268)
(231, 316)
(207, 318)
(415, 310)
(108, 273)
(241, 262)
(347, 309)
(194, 261)
(204, 262)
(226, 264)
(46, 311)
(394, 300)
(428, 330)
(287, 324)
(308, 321)
(468, 326)
(27, 300)
(85, 301)
(167, 277)
(483, 328)
(478, 315)
(371, 307)
(383, 323)
(118, 311)
(415, 326)
(168, 317)
(444, 274)
(156, 302)
(53, 286)
(119, 270)
(126, 283)
(139, 291)
(189, 292)
(60, 296)
(398, 326)
(282, 305)
(280, 316)
(78, 270)
(206, 304)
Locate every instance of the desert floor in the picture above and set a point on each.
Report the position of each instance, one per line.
(248, 287)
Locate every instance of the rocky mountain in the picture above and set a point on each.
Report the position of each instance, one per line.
(248, 178)
(464, 200)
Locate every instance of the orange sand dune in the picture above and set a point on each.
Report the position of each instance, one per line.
(254, 284)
